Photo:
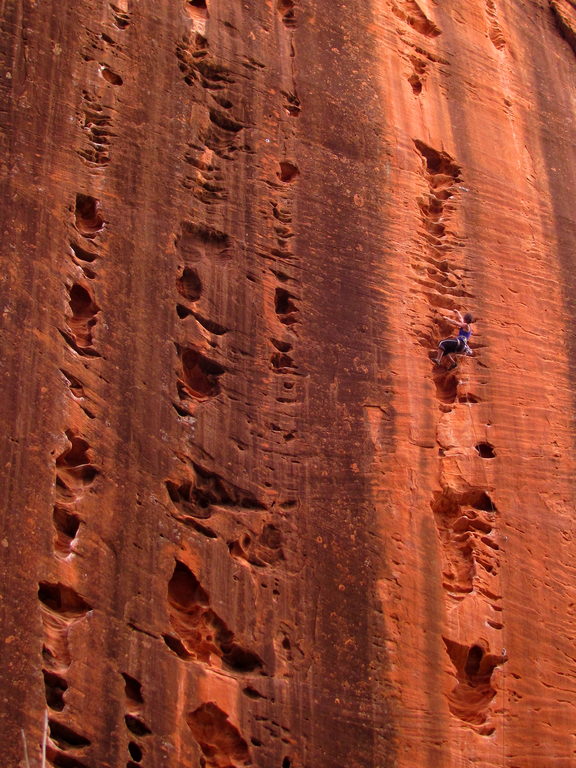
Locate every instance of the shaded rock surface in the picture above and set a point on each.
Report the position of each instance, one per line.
(244, 522)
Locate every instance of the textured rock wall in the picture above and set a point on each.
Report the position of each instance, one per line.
(244, 522)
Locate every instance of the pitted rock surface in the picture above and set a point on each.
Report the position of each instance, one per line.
(246, 522)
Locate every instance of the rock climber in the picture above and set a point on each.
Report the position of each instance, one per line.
(458, 345)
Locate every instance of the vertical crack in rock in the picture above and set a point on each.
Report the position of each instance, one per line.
(440, 281)
(96, 122)
(465, 522)
(494, 29)
(465, 519)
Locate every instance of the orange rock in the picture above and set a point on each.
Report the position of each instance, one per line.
(245, 520)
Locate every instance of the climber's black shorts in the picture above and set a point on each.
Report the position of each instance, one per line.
(451, 346)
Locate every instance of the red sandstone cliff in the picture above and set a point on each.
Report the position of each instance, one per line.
(244, 521)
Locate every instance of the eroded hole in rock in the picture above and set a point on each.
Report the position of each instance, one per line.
(198, 494)
(284, 215)
(89, 273)
(184, 588)
(136, 726)
(132, 689)
(61, 760)
(286, 763)
(84, 310)
(177, 646)
(192, 500)
(463, 521)
(110, 76)
(214, 74)
(183, 412)
(183, 311)
(196, 241)
(199, 374)
(136, 752)
(469, 398)
(239, 659)
(197, 9)
(416, 84)
(495, 30)
(440, 165)
(225, 103)
(240, 547)
(73, 467)
(225, 122)
(486, 450)
(121, 17)
(281, 361)
(82, 254)
(479, 500)
(210, 325)
(473, 661)
(77, 454)
(88, 218)
(56, 625)
(474, 666)
(259, 550)
(189, 284)
(65, 494)
(281, 346)
(81, 302)
(62, 599)
(412, 14)
(76, 386)
(64, 737)
(219, 740)
(292, 106)
(287, 13)
(288, 172)
(446, 387)
(66, 524)
(203, 634)
(284, 306)
(55, 688)
(252, 693)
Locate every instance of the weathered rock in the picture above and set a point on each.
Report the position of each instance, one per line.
(244, 520)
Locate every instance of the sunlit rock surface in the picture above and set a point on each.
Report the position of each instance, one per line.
(245, 521)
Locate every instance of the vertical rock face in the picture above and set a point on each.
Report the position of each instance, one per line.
(244, 520)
